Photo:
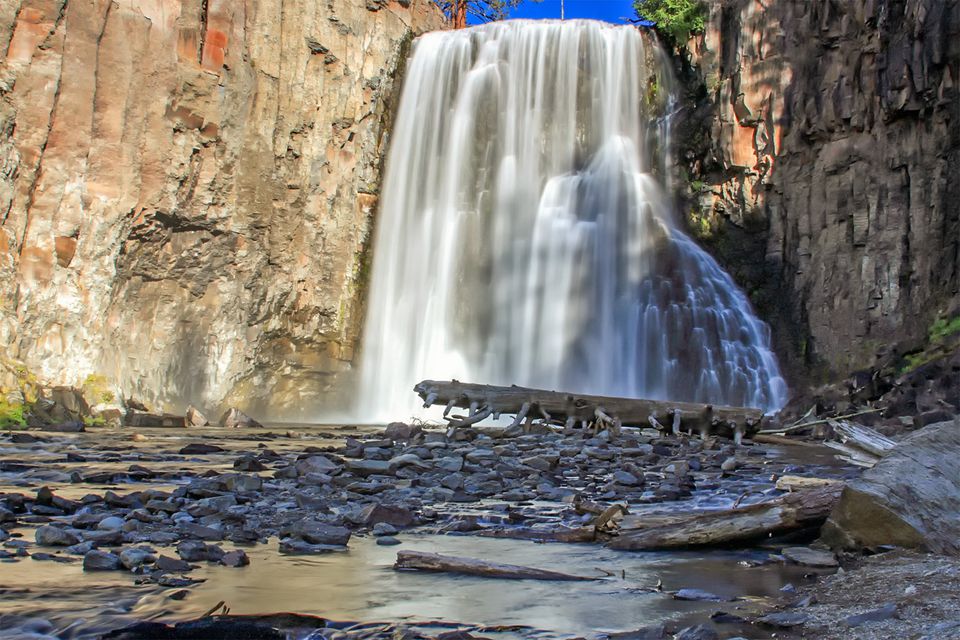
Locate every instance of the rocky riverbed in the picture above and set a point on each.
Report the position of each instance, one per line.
(166, 523)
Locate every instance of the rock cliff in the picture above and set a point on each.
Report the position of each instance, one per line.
(821, 141)
(187, 189)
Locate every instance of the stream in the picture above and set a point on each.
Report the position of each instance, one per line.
(358, 584)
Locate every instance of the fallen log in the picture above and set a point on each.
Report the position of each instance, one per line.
(567, 409)
(793, 511)
(867, 444)
(423, 561)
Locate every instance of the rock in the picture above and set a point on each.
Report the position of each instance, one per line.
(700, 595)
(369, 467)
(384, 529)
(234, 418)
(784, 620)
(235, 558)
(97, 560)
(200, 449)
(728, 465)
(316, 464)
(173, 565)
(401, 432)
(241, 482)
(194, 418)
(200, 531)
(135, 556)
(625, 478)
(810, 557)
(392, 515)
(64, 427)
(885, 612)
(408, 460)
(193, 551)
(538, 462)
(50, 536)
(450, 463)
(699, 632)
(387, 541)
(314, 532)
(906, 499)
(295, 546)
(140, 419)
(110, 523)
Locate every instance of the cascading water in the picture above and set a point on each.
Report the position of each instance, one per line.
(525, 238)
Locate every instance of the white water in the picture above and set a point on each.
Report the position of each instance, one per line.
(525, 236)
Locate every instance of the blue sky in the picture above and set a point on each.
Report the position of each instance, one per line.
(609, 10)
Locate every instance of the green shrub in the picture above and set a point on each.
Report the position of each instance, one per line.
(97, 389)
(944, 328)
(11, 415)
(676, 19)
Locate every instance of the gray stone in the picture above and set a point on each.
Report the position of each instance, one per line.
(699, 632)
(784, 620)
(50, 536)
(369, 467)
(910, 498)
(810, 557)
(390, 514)
(235, 558)
(408, 460)
(450, 463)
(885, 612)
(625, 478)
(700, 595)
(387, 541)
(110, 523)
(317, 464)
(384, 529)
(173, 565)
(241, 482)
(97, 560)
(314, 532)
(135, 556)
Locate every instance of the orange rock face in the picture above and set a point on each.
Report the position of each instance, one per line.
(184, 190)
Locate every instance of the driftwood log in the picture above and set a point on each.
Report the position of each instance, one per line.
(423, 561)
(790, 512)
(859, 445)
(574, 409)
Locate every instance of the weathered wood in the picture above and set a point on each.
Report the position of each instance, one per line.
(863, 438)
(569, 408)
(742, 524)
(796, 483)
(423, 561)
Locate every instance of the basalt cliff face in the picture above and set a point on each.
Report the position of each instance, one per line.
(187, 190)
(821, 140)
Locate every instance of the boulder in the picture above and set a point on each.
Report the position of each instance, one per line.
(196, 419)
(401, 432)
(97, 560)
(234, 418)
(50, 536)
(320, 533)
(143, 419)
(395, 516)
(910, 498)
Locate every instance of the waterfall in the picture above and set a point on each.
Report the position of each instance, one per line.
(525, 234)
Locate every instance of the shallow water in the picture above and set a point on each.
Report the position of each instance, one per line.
(360, 584)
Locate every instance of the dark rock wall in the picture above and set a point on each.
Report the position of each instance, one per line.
(821, 144)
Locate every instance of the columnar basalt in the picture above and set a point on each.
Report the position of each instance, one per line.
(187, 189)
(823, 152)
